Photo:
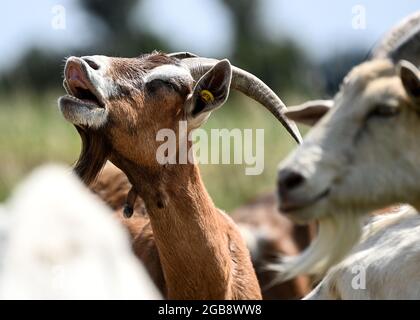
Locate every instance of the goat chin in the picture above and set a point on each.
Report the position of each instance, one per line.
(336, 237)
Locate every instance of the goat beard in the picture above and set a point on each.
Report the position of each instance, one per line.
(337, 235)
(93, 156)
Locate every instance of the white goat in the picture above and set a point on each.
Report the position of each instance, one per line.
(383, 266)
(361, 156)
(59, 242)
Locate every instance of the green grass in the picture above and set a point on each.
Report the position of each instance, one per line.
(33, 132)
(228, 184)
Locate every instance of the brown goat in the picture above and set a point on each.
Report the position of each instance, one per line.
(119, 106)
(268, 234)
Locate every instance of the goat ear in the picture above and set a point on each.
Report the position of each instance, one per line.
(410, 77)
(310, 112)
(210, 92)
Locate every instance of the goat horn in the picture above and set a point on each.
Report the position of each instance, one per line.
(251, 86)
(402, 42)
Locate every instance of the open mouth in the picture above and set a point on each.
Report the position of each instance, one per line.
(83, 105)
(79, 87)
(290, 207)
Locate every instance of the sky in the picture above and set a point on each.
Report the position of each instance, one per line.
(203, 26)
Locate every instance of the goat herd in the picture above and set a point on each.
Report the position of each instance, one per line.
(58, 240)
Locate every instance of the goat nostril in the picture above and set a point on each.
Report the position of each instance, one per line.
(289, 180)
(91, 63)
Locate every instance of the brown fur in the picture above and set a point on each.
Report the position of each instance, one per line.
(202, 253)
(93, 155)
(112, 186)
(280, 234)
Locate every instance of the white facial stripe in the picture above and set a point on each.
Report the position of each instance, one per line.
(168, 71)
(102, 61)
(100, 81)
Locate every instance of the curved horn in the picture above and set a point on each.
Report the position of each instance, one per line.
(251, 86)
(402, 42)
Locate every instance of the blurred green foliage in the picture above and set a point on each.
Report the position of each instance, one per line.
(33, 132)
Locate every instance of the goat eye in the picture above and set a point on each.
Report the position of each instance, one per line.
(384, 111)
(158, 83)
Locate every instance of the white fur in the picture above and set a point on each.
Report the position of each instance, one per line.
(167, 72)
(100, 78)
(367, 163)
(63, 243)
(389, 256)
(329, 247)
(84, 116)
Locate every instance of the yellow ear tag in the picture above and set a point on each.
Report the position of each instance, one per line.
(206, 96)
